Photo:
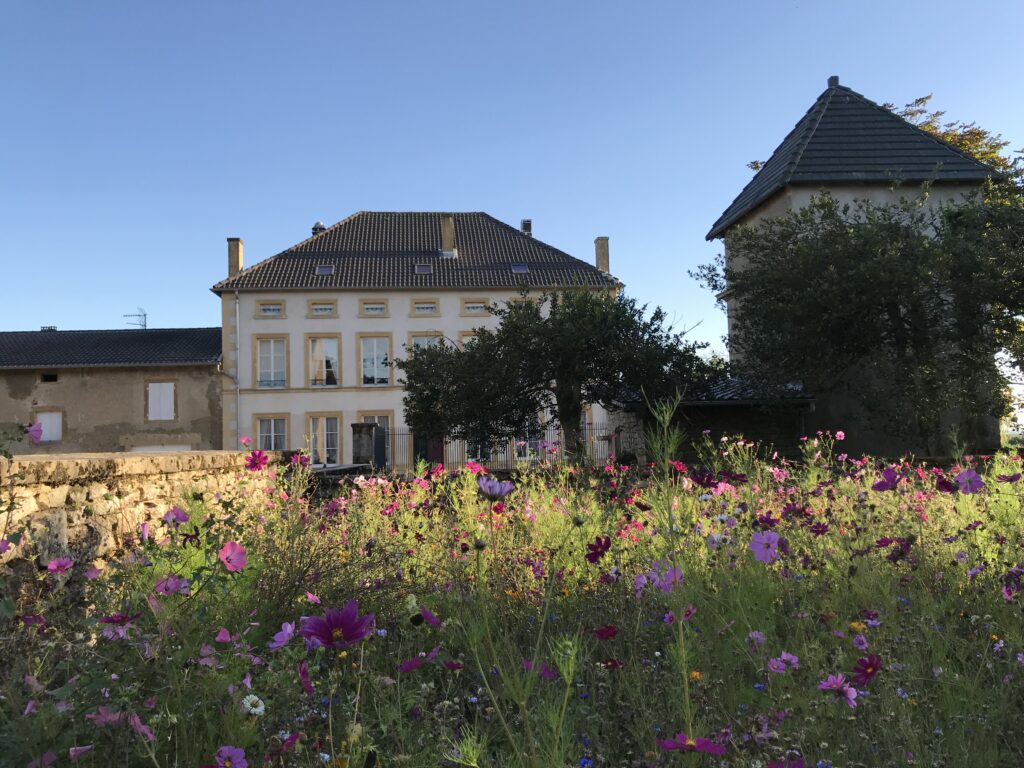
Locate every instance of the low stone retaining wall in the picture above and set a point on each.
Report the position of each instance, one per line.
(84, 505)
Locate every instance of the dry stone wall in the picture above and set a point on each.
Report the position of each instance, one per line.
(85, 505)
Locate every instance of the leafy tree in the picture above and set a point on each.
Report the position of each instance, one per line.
(903, 306)
(549, 355)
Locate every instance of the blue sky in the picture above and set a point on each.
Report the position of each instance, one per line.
(138, 136)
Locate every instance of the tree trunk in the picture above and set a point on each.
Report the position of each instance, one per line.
(570, 411)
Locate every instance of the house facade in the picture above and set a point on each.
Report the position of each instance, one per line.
(310, 334)
(114, 390)
(854, 150)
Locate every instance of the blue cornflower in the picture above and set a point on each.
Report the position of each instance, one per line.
(586, 762)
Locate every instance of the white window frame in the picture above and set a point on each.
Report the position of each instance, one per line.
(52, 422)
(161, 401)
(318, 361)
(272, 439)
(377, 362)
(278, 378)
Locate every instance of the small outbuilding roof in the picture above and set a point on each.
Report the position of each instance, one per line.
(126, 348)
(847, 138)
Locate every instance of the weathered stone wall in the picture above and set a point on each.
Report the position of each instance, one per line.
(84, 505)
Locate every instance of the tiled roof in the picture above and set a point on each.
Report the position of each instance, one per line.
(733, 391)
(846, 138)
(110, 349)
(381, 250)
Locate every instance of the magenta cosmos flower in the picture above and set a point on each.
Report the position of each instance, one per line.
(337, 629)
(256, 461)
(60, 565)
(765, 546)
(684, 742)
(232, 555)
(34, 432)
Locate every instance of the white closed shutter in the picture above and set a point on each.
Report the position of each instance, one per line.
(160, 402)
(53, 426)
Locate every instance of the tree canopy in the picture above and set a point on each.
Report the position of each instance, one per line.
(548, 358)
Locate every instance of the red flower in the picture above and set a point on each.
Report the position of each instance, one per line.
(865, 669)
(606, 632)
(597, 550)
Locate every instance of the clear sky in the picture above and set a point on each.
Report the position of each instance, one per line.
(136, 137)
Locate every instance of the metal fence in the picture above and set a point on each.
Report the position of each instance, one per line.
(399, 451)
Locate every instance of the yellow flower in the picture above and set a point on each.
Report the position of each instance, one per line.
(696, 675)
(858, 626)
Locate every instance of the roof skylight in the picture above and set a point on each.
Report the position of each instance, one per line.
(324, 269)
(520, 269)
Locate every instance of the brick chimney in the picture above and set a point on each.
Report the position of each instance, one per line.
(601, 254)
(448, 235)
(234, 256)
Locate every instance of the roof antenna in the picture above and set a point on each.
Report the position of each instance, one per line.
(140, 318)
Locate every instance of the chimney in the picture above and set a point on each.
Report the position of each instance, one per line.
(601, 253)
(526, 225)
(833, 81)
(234, 256)
(448, 235)
(319, 227)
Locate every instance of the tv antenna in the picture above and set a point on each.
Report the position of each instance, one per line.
(139, 319)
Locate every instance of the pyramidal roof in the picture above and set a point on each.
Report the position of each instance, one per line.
(402, 250)
(847, 138)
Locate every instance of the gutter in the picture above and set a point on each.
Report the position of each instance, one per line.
(238, 389)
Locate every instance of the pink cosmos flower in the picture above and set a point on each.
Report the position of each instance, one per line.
(140, 727)
(256, 461)
(231, 757)
(307, 686)
(337, 628)
(837, 685)
(790, 659)
(765, 546)
(104, 717)
(232, 555)
(778, 666)
(430, 618)
(312, 598)
(840, 435)
(34, 432)
(246, 441)
(223, 636)
(60, 565)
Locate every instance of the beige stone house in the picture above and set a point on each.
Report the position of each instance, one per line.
(309, 335)
(117, 390)
(853, 149)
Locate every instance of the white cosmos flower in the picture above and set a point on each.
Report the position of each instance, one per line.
(254, 705)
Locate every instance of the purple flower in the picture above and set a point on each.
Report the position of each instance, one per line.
(494, 489)
(597, 550)
(683, 742)
(890, 479)
(778, 666)
(4, 545)
(765, 546)
(231, 757)
(756, 638)
(337, 629)
(860, 643)
(281, 638)
(60, 565)
(76, 752)
(175, 516)
(969, 481)
(689, 612)
(790, 659)
(837, 684)
(119, 625)
(34, 432)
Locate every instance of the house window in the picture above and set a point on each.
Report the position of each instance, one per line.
(373, 308)
(423, 269)
(376, 362)
(324, 269)
(48, 378)
(422, 341)
(323, 439)
(322, 309)
(474, 307)
(272, 432)
(425, 308)
(160, 401)
(323, 362)
(52, 423)
(466, 337)
(272, 361)
(270, 309)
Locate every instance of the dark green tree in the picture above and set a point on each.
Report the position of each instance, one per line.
(552, 355)
(905, 307)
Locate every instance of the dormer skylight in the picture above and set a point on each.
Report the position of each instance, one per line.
(520, 269)
(323, 269)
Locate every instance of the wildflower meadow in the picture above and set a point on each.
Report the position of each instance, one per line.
(745, 610)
